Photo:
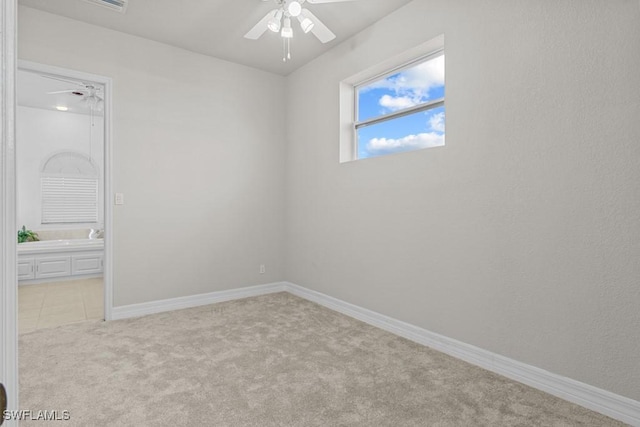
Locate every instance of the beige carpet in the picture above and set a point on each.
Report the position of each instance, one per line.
(274, 360)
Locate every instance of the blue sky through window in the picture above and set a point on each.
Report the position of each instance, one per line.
(415, 85)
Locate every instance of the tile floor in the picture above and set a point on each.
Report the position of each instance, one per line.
(58, 303)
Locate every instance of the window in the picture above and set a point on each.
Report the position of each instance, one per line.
(68, 200)
(396, 106)
(69, 189)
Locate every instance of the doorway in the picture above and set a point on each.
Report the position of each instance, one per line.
(63, 178)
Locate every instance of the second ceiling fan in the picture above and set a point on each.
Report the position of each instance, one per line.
(91, 93)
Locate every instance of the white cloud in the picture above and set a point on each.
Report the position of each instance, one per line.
(422, 77)
(436, 122)
(395, 103)
(412, 86)
(410, 142)
(419, 79)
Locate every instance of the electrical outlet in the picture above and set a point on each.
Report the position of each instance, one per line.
(262, 269)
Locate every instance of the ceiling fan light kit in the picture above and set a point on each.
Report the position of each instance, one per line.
(279, 20)
(287, 31)
(294, 8)
(275, 23)
(305, 23)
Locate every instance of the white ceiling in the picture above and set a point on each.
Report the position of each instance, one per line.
(216, 27)
(33, 91)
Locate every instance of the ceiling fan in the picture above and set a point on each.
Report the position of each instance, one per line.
(90, 92)
(279, 20)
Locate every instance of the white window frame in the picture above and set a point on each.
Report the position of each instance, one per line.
(349, 124)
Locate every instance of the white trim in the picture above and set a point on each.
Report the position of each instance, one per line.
(404, 65)
(8, 242)
(107, 82)
(152, 307)
(31, 282)
(108, 200)
(605, 402)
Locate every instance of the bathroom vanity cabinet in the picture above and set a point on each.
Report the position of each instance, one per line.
(47, 263)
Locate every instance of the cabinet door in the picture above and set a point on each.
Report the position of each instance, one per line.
(26, 268)
(53, 267)
(86, 264)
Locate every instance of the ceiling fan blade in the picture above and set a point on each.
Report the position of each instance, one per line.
(65, 91)
(63, 80)
(320, 30)
(260, 27)
(326, 1)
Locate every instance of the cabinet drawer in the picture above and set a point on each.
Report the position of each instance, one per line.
(26, 269)
(86, 264)
(53, 267)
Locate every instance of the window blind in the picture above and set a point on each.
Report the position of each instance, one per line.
(68, 200)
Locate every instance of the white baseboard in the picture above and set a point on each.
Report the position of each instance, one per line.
(58, 279)
(152, 307)
(605, 402)
(602, 401)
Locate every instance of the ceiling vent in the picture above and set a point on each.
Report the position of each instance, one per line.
(117, 5)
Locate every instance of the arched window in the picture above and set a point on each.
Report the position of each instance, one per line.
(69, 183)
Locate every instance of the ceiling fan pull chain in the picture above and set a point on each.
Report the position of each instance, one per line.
(90, 134)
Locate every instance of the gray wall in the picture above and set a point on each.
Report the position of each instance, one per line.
(198, 152)
(522, 235)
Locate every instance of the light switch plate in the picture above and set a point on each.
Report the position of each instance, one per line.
(119, 198)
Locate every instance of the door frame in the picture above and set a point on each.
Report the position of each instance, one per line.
(8, 281)
(8, 278)
(107, 82)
